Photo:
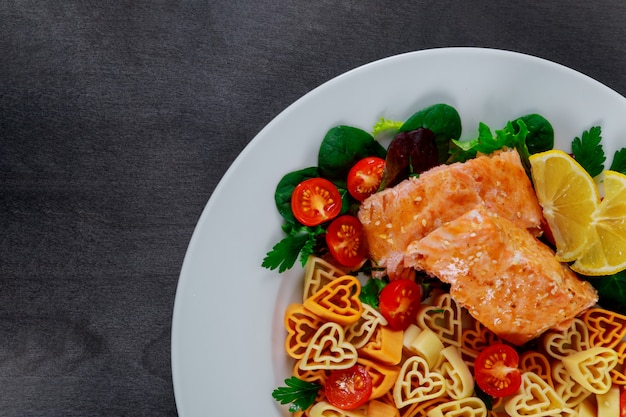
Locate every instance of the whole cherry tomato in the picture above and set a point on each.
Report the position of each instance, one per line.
(348, 388)
(315, 201)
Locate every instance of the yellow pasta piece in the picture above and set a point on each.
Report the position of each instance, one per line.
(384, 346)
(533, 361)
(301, 325)
(329, 350)
(381, 409)
(325, 409)
(456, 373)
(337, 301)
(417, 383)
(534, 398)
(317, 273)
(465, 407)
(566, 387)
(608, 403)
(574, 338)
(383, 376)
(606, 328)
(420, 409)
(362, 330)
(591, 367)
(444, 317)
(425, 343)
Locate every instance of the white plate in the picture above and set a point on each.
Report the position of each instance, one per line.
(227, 342)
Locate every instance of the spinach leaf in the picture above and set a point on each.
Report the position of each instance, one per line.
(285, 187)
(342, 147)
(540, 135)
(443, 120)
(612, 291)
(370, 292)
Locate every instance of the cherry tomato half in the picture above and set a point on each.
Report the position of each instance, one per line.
(346, 241)
(496, 370)
(365, 176)
(399, 302)
(622, 403)
(348, 388)
(315, 201)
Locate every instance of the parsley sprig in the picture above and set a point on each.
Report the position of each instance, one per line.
(588, 152)
(300, 242)
(300, 394)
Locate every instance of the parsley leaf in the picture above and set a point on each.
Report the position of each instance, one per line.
(619, 161)
(588, 151)
(370, 292)
(301, 394)
(300, 242)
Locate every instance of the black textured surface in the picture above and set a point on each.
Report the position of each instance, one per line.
(118, 119)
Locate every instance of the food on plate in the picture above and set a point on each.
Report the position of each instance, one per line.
(396, 217)
(435, 285)
(506, 278)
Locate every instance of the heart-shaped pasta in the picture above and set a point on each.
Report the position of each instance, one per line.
(466, 407)
(591, 368)
(534, 398)
(317, 273)
(572, 392)
(362, 330)
(444, 317)
(417, 383)
(456, 373)
(385, 346)
(328, 350)
(606, 328)
(301, 325)
(533, 361)
(618, 374)
(383, 376)
(337, 301)
(573, 339)
(325, 409)
(474, 340)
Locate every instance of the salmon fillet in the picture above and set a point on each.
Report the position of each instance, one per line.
(396, 217)
(505, 277)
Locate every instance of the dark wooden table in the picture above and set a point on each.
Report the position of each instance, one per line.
(118, 119)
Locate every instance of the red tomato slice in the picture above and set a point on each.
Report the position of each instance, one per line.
(622, 403)
(315, 201)
(346, 241)
(348, 388)
(399, 302)
(496, 370)
(365, 176)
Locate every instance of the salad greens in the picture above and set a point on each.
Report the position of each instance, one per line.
(297, 392)
(588, 151)
(343, 146)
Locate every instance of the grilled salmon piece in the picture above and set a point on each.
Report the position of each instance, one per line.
(396, 217)
(506, 278)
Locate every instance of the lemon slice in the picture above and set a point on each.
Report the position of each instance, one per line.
(568, 196)
(605, 251)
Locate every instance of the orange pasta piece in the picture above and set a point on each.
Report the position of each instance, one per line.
(338, 301)
(385, 346)
(301, 325)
